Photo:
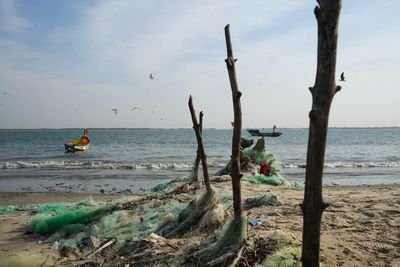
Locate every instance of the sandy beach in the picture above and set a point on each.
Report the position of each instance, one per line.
(359, 228)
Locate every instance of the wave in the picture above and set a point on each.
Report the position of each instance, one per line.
(110, 165)
(342, 164)
(120, 165)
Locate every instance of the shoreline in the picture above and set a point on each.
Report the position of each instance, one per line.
(24, 198)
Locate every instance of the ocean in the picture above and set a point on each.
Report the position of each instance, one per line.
(134, 160)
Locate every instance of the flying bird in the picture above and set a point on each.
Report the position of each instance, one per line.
(135, 108)
(151, 76)
(342, 78)
(115, 111)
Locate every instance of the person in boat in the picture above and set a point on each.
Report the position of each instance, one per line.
(274, 128)
(85, 138)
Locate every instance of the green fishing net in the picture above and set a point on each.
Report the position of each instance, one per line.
(259, 156)
(76, 222)
(258, 179)
(258, 201)
(287, 254)
(171, 185)
(48, 224)
(51, 207)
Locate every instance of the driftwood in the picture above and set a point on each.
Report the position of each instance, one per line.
(327, 15)
(195, 171)
(198, 130)
(237, 128)
(236, 229)
(104, 245)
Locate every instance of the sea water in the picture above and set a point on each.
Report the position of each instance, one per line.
(138, 159)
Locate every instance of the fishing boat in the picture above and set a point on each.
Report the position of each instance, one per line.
(76, 148)
(256, 132)
(78, 144)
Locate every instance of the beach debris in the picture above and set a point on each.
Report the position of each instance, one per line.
(91, 242)
(153, 250)
(255, 222)
(264, 200)
(72, 253)
(104, 245)
(151, 76)
(115, 110)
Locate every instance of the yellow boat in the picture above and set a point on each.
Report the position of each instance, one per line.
(78, 144)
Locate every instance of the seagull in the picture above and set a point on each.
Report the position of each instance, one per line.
(115, 111)
(342, 79)
(151, 76)
(135, 108)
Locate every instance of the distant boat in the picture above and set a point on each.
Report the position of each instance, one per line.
(256, 132)
(78, 144)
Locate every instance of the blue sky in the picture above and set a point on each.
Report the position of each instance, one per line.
(69, 63)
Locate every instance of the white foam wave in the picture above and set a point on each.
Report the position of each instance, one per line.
(98, 165)
(340, 164)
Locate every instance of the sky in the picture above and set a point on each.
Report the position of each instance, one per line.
(68, 63)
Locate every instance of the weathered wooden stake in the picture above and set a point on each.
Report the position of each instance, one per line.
(237, 128)
(198, 130)
(327, 15)
(195, 172)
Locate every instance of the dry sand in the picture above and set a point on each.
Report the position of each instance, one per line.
(361, 227)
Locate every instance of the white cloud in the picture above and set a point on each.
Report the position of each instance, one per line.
(10, 20)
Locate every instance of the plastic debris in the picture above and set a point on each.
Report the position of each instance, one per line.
(255, 222)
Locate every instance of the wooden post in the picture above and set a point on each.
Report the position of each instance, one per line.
(237, 128)
(198, 130)
(327, 15)
(195, 172)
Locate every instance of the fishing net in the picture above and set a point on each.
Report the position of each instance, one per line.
(287, 253)
(297, 186)
(51, 207)
(48, 224)
(171, 185)
(258, 156)
(70, 228)
(258, 201)
(285, 257)
(231, 237)
(271, 180)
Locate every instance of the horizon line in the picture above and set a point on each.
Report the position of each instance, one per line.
(178, 128)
